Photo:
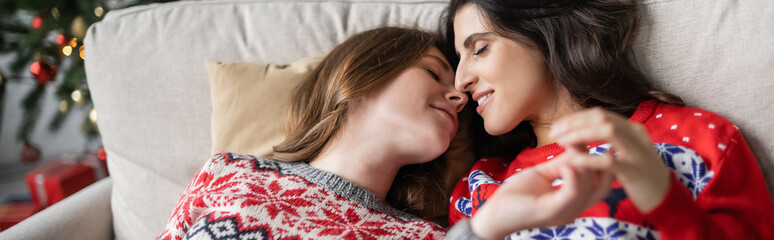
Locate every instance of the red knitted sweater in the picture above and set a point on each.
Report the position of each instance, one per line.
(244, 197)
(717, 190)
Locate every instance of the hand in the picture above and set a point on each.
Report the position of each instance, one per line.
(527, 199)
(631, 158)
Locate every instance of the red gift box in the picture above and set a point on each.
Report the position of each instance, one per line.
(11, 214)
(56, 180)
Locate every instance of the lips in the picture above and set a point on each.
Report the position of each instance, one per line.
(482, 98)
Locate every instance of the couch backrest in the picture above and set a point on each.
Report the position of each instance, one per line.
(146, 72)
(145, 68)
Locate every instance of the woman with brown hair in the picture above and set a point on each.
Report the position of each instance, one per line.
(363, 132)
(555, 78)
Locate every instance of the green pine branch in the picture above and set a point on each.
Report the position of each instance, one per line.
(58, 119)
(10, 25)
(74, 77)
(31, 106)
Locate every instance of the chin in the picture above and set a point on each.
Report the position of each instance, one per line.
(495, 130)
(503, 126)
(424, 150)
(425, 158)
(438, 149)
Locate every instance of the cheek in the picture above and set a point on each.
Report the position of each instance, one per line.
(517, 98)
(430, 128)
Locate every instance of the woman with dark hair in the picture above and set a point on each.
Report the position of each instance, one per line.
(364, 135)
(555, 78)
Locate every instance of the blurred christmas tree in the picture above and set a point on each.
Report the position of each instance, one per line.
(45, 37)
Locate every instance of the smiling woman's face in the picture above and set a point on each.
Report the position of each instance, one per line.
(418, 108)
(508, 80)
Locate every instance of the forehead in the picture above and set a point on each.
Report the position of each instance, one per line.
(467, 21)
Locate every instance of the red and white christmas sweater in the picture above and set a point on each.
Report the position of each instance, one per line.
(244, 197)
(717, 190)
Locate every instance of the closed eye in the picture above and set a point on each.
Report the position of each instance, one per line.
(435, 76)
(480, 51)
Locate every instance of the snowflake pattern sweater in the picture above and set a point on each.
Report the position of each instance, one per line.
(244, 197)
(717, 190)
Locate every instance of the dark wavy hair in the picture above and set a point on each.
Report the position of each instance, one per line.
(584, 45)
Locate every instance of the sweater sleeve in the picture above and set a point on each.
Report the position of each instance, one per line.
(461, 231)
(460, 206)
(473, 190)
(735, 203)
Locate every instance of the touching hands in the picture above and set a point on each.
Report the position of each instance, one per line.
(527, 199)
(631, 158)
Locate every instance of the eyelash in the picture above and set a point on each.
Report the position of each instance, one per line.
(435, 76)
(480, 51)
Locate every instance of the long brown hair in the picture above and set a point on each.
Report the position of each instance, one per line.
(584, 45)
(357, 67)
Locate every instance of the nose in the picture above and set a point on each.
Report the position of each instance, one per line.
(463, 79)
(457, 99)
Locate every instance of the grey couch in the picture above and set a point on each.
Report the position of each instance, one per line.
(145, 68)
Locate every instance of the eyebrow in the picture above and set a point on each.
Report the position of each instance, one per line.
(440, 61)
(470, 38)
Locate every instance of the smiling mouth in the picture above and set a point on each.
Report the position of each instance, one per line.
(483, 99)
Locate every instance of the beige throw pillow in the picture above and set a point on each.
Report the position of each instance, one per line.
(248, 102)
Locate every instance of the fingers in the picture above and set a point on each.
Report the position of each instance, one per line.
(584, 134)
(588, 179)
(605, 162)
(577, 193)
(550, 170)
(571, 187)
(579, 120)
(535, 179)
(602, 188)
(591, 125)
(527, 181)
(562, 205)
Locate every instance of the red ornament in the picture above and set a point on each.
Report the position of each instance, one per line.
(61, 39)
(30, 154)
(101, 154)
(35, 68)
(37, 22)
(43, 72)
